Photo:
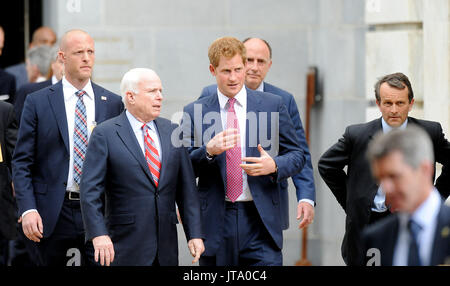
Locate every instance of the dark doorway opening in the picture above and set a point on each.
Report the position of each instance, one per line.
(19, 19)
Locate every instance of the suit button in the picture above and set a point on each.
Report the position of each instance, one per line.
(65, 184)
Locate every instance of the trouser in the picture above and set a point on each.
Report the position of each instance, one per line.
(246, 241)
(66, 246)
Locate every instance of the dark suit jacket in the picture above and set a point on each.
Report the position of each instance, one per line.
(355, 189)
(22, 93)
(7, 86)
(303, 181)
(41, 158)
(19, 71)
(8, 136)
(383, 235)
(140, 217)
(212, 174)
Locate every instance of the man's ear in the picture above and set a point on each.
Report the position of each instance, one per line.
(212, 70)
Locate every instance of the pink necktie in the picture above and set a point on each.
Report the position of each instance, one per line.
(233, 156)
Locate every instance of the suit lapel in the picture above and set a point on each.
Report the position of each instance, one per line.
(125, 133)
(56, 100)
(441, 237)
(253, 103)
(164, 133)
(212, 105)
(101, 99)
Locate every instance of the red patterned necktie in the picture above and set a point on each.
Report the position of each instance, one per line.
(151, 155)
(233, 158)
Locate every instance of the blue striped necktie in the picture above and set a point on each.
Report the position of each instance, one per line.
(80, 137)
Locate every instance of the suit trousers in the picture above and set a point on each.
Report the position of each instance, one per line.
(246, 242)
(66, 246)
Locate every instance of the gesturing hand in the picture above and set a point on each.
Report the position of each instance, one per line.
(223, 141)
(263, 165)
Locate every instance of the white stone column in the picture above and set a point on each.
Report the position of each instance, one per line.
(436, 36)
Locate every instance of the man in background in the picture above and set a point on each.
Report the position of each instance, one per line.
(355, 189)
(54, 74)
(7, 80)
(41, 36)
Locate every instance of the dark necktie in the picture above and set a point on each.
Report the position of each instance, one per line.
(413, 256)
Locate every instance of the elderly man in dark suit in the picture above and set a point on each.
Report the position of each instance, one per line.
(237, 178)
(133, 161)
(47, 165)
(418, 234)
(259, 61)
(355, 190)
(8, 210)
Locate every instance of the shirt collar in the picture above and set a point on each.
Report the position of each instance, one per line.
(260, 87)
(241, 98)
(387, 127)
(136, 125)
(69, 89)
(428, 210)
(54, 79)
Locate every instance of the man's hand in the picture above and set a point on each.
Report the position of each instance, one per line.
(104, 250)
(32, 226)
(307, 211)
(263, 165)
(223, 141)
(196, 248)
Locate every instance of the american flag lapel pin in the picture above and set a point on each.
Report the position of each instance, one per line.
(103, 97)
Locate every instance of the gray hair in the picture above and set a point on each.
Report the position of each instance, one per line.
(131, 78)
(413, 143)
(41, 56)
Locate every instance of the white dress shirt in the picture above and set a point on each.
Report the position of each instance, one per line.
(70, 101)
(380, 197)
(136, 125)
(426, 216)
(240, 108)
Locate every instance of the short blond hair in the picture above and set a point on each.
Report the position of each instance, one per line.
(227, 47)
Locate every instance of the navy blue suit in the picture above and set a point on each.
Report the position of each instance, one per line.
(41, 158)
(211, 174)
(303, 181)
(383, 235)
(7, 86)
(140, 217)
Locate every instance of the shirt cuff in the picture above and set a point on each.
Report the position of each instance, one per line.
(29, 211)
(311, 202)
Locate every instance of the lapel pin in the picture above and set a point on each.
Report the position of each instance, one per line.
(103, 97)
(445, 232)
